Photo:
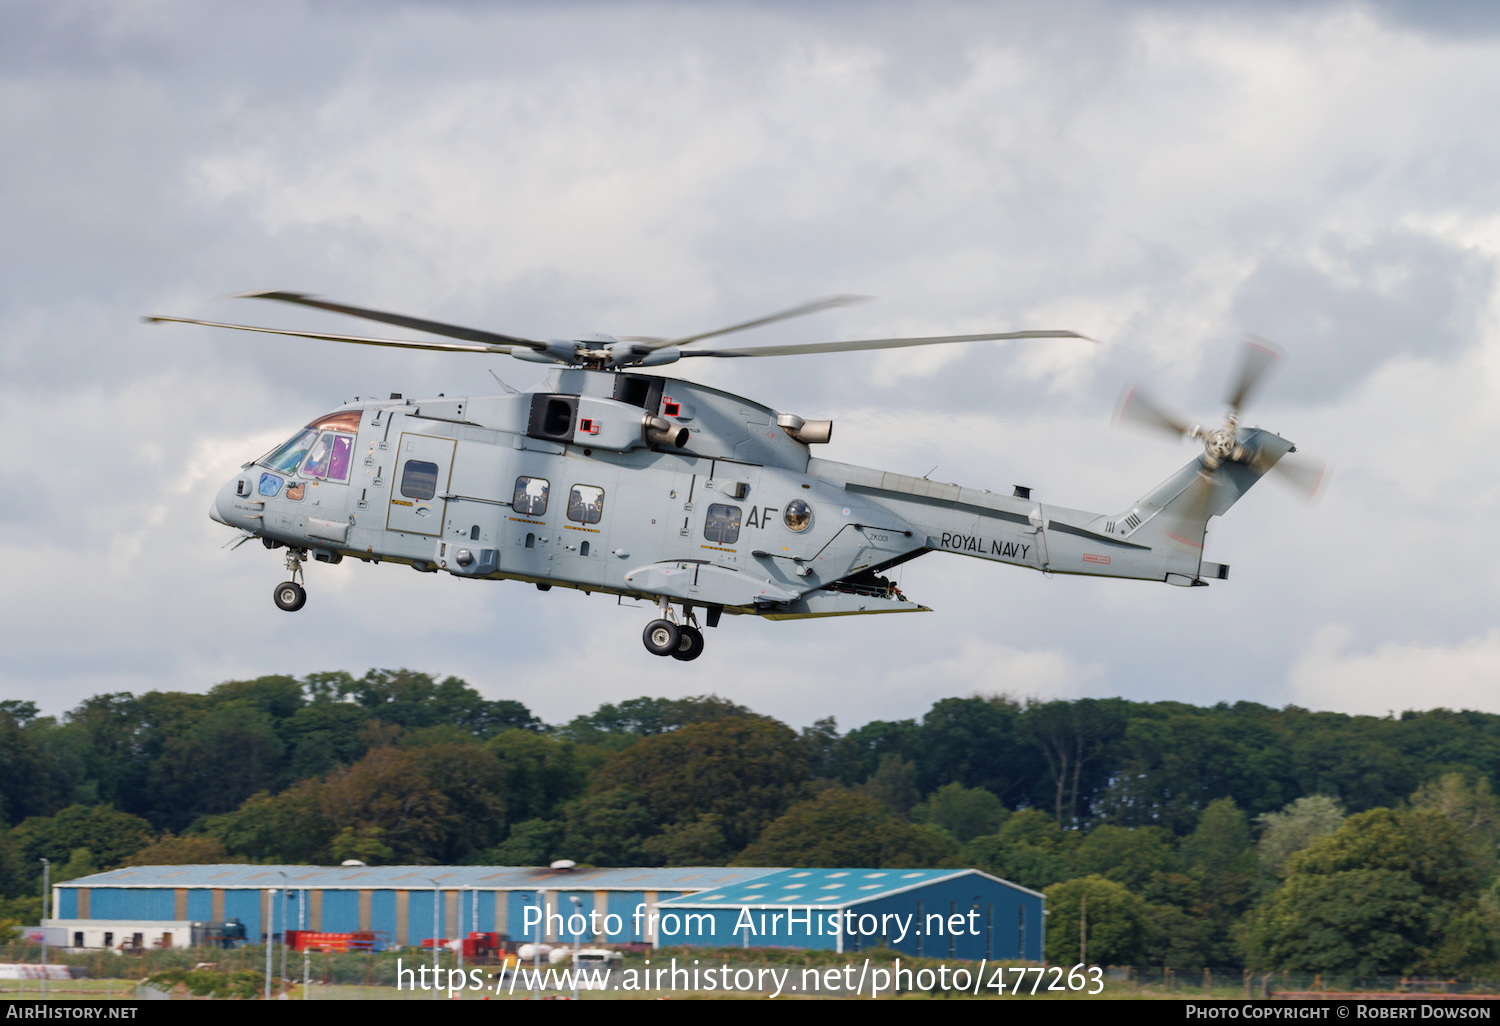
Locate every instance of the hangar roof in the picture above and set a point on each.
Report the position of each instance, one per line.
(832, 887)
(519, 878)
(707, 886)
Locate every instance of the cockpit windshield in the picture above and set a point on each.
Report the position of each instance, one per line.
(285, 459)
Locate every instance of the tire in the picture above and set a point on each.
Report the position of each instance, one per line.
(690, 644)
(661, 637)
(290, 595)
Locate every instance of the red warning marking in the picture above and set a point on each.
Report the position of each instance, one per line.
(1090, 558)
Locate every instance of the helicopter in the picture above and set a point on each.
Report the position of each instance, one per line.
(694, 500)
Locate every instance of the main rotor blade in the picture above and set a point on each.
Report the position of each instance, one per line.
(875, 343)
(796, 311)
(1259, 356)
(1136, 408)
(400, 320)
(445, 347)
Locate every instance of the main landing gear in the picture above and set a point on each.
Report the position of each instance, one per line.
(291, 595)
(666, 637)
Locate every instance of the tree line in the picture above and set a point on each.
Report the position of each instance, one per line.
(1231, 835)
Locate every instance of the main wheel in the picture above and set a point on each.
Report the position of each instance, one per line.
(661, 637)
(290, 596)
(689, 644)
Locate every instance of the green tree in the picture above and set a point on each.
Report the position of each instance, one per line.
(540, 772)
(1143, 860)
(608, 828)
(696, 842)
(190, 850)
(974, 742)
(1219, 857)
(1472, 808)
(745, 770)
(842, 828)
(532, 842)
(1073, 738)
(80, 864)
(965, 812)
(894, 785)
(1285, 833)
(286, 827)
(414, 700)
(1029, 849)
(1112, 920)
(232, 752)
(1374, 897)
(617, 727)
(109, 835)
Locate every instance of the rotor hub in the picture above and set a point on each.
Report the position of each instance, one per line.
(1223, 446)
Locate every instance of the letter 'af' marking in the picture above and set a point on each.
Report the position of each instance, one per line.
(607, 478)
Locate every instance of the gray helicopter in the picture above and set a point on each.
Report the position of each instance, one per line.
(605, 479)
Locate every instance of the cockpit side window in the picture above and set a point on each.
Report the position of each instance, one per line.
(329, 459)
(285, 459)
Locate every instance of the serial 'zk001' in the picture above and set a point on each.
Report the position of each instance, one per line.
(603, 478)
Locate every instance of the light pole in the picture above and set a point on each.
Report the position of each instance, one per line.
(536, 948)
(283, 929)
(577, 910)
(306, 952)
(42, 922)
(265, 934)
(437, 897)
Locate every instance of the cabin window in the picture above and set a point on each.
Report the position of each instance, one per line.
(270, 485)
(474, 533)
(586, 504)
(419, 479)
(583, 550)
(286, 458)
(722, 524)
(530, 498)
(329, 458)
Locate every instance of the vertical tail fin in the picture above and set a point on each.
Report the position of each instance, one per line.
(1174, 516)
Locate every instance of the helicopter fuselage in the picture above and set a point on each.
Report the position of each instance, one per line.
(662, 489)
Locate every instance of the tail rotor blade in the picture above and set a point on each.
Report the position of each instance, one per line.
(1309, 478)
(1258, 357)
(1135, 408)
(1188, 516)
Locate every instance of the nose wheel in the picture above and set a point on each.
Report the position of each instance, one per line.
(291, 595)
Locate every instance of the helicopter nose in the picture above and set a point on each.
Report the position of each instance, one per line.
(223, 503)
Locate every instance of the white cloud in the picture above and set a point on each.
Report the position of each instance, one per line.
(1395, 676)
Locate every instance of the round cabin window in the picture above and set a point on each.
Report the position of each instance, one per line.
(797, 516)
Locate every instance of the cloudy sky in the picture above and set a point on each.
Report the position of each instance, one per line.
(1164, 177)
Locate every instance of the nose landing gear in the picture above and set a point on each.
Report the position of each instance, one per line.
(666, 637)
(291, 595)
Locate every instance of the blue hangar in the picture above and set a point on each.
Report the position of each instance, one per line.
(942, 913)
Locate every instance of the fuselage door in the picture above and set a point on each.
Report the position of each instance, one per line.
(424, 466)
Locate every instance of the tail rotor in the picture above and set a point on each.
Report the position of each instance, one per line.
(1229, 443)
